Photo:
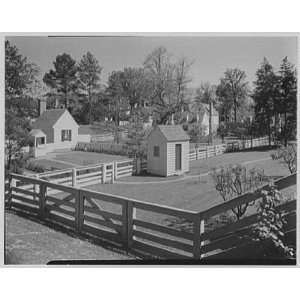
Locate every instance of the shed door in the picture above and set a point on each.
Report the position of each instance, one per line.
(178, 157)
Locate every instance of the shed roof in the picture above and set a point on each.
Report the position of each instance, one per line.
(48, 118)
(173, 133)
(36, 132)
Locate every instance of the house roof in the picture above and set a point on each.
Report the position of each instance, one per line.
(48, 118)
(173, 133)
(36, 132)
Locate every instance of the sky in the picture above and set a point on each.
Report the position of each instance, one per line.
(211, 56)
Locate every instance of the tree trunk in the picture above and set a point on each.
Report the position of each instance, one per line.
(210, 125)
(285, 133)
(235, 111)
(269, 130)
(90, 107)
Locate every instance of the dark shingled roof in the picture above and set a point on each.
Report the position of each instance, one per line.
(173, 133)
(48, 118)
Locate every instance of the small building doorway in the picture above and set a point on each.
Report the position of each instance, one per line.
(178, 157)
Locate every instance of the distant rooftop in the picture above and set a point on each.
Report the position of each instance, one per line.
(48, 118)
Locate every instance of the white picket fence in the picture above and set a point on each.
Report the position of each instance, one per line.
(248, 144)
(207, 151)
(88, 175)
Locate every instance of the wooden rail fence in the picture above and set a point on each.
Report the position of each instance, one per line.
(205, 152)
(130, 222)
(248, 144)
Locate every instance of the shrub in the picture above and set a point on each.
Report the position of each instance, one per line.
(287, 156)
(269, 231)
(35, 167)
(233, 181)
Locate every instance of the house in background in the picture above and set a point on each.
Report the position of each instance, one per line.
(201, 117)
(168, 150)
(54, 129)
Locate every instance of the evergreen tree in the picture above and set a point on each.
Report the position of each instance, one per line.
(89, 72)
(265, 98)
(288, 99)
(62, 79)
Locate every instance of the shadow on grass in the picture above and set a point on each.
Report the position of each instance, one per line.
(255, 149)
(104, 243)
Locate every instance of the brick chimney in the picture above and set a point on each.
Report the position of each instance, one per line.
(42, 106)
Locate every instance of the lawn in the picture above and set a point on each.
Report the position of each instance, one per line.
(195, 193)
(190, 192)
(29, 242)
(73, 159)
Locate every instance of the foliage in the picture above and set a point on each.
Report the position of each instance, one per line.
(233, 181)
(62, 79)
(35, 167)
(288, 99)
(265, 97)
(20, 78)
(167, 84)
(89, 72)
(206, 94)
(136, 136)
(116, 149)
(288, 157)
(20, 75)
(196, 132)
(232, 92)
(269, 231)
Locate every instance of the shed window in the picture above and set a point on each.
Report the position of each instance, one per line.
(156, 151)
(40, 141)
(66, 135)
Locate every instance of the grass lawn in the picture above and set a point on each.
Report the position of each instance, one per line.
(196, 193)
(28, 242)
(73, 159)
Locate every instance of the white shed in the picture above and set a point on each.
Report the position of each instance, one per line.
(168, 150)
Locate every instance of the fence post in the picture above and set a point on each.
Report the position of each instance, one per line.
(215, 150)
(35, 188)
(206, 151)
(42, 202)
(74, 177)
(112, 172)
(196, 149)
(131, 215)
(115, 169)
(11, 183)
(103, 173)
(198, 230)
(79, 210)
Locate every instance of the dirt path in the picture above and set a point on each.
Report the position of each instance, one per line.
(29, 242)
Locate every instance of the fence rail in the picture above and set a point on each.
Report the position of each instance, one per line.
(122, 220)
(205, 152)
(248, 144)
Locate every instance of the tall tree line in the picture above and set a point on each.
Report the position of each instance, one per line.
(275, 99)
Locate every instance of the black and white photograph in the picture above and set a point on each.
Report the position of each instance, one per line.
(159, 149)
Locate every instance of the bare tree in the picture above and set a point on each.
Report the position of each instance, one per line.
(206, 94)
(168, 83)
(234, 181)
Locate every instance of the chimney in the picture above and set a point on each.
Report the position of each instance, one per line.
(42, 106)
(172, 119)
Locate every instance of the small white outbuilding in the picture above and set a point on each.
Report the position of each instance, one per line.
(168, 151)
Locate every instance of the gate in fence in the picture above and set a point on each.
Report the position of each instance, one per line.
(136, 225)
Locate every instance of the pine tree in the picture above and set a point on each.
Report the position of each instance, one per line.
(265, 98)
(89, 72)
(288, 99)
(63, 78)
